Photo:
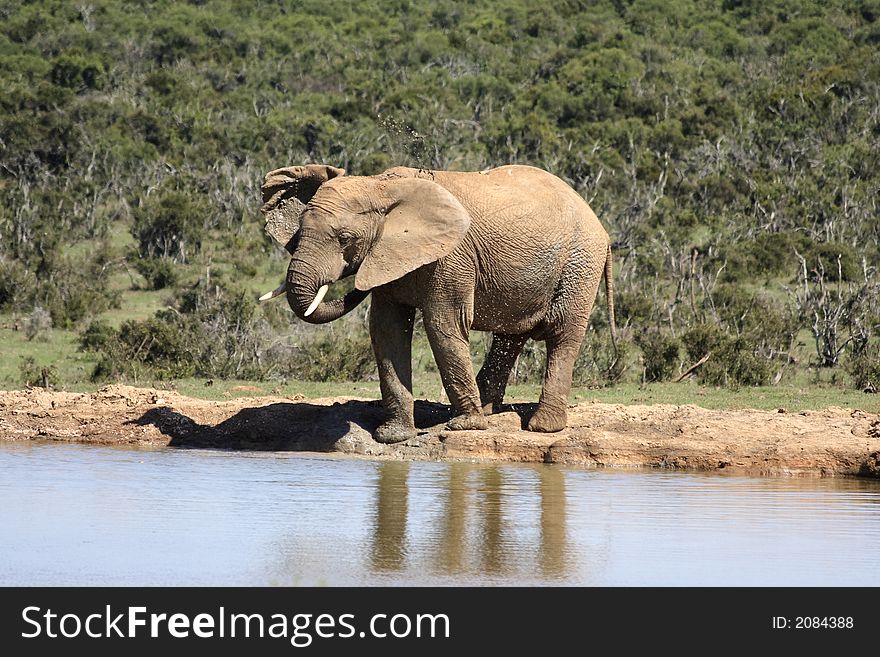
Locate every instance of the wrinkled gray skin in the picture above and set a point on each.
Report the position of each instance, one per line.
(512, 250)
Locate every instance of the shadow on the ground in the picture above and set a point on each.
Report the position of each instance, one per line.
(290, 426)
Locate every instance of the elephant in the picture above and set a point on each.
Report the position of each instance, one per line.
(512, 250)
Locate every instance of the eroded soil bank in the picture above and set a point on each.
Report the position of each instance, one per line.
(829, 442)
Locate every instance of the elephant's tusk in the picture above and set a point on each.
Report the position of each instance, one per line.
(317, 300)
(277, 292)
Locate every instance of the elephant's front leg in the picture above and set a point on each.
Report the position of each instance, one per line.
(447, 325)
(391, 329)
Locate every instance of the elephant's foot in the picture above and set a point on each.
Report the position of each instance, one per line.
(394, 431)
(548, 420)
(491, 407)
(468, 423)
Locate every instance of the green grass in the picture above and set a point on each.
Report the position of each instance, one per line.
(789, 397)
(137, 305)
(55, 348)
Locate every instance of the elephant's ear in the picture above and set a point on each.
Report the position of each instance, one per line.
(285, 194)
(423, 223)
(300, 182)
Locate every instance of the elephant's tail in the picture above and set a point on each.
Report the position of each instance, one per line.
(609, 298)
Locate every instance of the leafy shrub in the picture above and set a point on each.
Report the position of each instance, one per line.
(772, 254)
(17, 285)
(863, 365)
(33, 374)
(733, 304)
(164, 343)
(212, 333)
(169, 225)
(159, 272)
(733, 361)
(38, 324)
(701, 339)
(96, 337)
(633, 307)
(756, 314)
(660, 352)
(598, 363)
(825, 255)
(768, 254)
(77, 72)
(735, 364)
(74, 293)
(329, 356)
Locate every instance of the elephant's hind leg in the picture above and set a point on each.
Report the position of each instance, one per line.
(563, 330)
(493, 376)
(552, 413)
(562, 352)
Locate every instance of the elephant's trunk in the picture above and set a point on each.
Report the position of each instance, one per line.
(303, 290)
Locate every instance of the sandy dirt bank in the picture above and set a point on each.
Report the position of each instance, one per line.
(830, 442)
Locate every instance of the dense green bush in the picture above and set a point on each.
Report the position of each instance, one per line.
(701, 339)
(162, 347)
(212, 333)
(219, 333)
(159, 272)
(636, 307)
(32, 374)
(769, 255)
(75, 295)
(600, 361)
(329, 356)
(169, 226)
(97, 336)
(17, 285)
(732, 359)
(660, 354)
(863, 365)
(77, 72)
(734, 363)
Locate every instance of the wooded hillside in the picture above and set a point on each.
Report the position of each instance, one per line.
(732, 148)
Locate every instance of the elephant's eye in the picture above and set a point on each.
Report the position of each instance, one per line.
(345, 236)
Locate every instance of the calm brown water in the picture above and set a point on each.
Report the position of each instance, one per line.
(80, 515)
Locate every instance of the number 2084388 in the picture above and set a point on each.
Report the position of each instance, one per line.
(813, 623)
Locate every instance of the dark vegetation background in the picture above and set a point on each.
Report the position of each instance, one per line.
(730, 147)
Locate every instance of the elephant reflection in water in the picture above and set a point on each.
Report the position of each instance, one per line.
(451, 550)
(389, 528)
(490, 514)
(486, 537)
(553, 529)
